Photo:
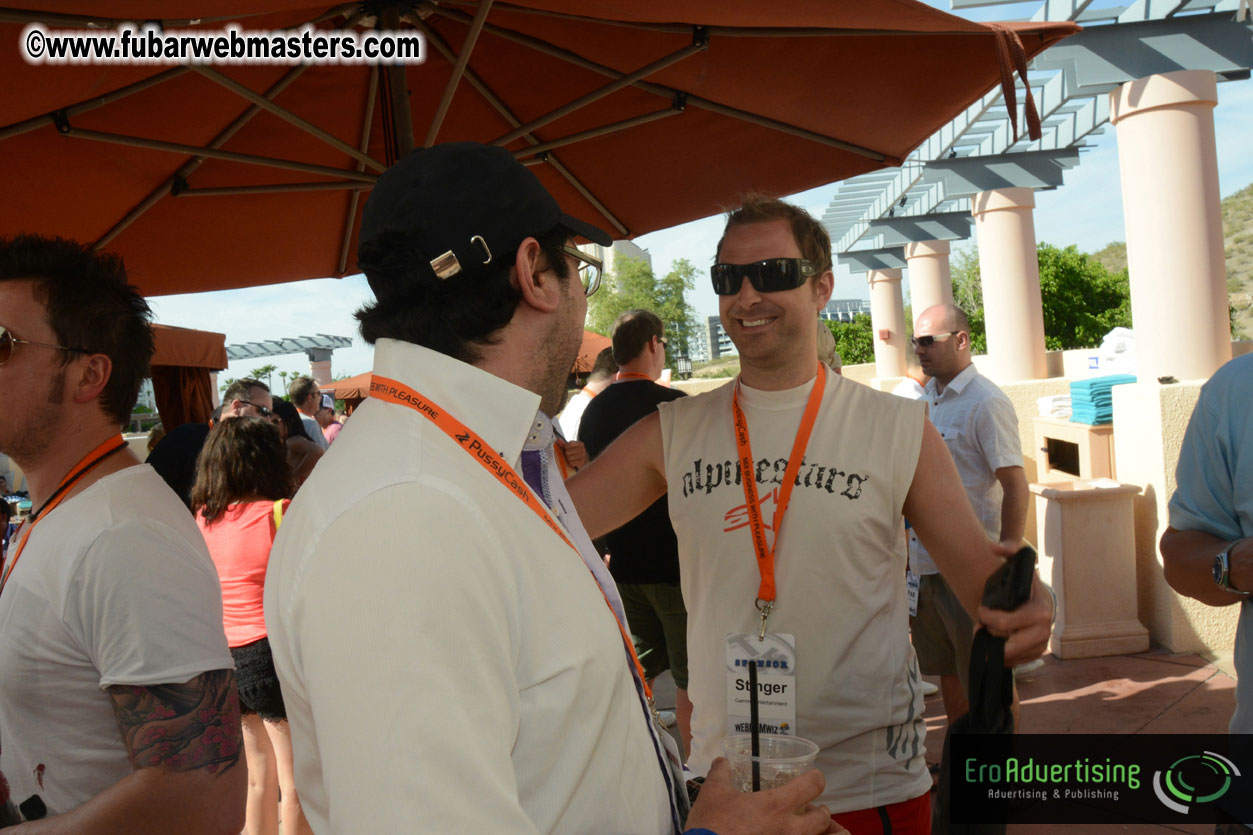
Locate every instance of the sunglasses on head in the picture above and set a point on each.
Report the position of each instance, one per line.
(8, 340)
(773, 275)
(264, 411)
(928, 341)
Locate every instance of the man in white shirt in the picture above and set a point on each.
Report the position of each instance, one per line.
(118, 710)
(304, 393)
(451, 648)
(603, 371)
(980, 429)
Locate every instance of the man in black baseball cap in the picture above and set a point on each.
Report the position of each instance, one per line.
(452, 650)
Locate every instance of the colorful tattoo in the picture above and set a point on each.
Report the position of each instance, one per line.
(181, 726)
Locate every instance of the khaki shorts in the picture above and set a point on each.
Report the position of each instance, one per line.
(942, 632)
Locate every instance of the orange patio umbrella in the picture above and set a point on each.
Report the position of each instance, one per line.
(637, 116)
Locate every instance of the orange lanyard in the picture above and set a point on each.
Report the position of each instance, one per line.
(396, 392)
(765, 552)
(630, 375)
(84, 466)
(590, 394)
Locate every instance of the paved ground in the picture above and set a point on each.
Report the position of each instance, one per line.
(1154, 692)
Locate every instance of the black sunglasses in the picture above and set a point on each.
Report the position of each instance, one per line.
(773, 275)
(8, 341)
(264, 411)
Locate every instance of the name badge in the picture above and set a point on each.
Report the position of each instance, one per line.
(911, 592)
(776, 682)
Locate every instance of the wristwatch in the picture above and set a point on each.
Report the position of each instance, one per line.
(1222, 572)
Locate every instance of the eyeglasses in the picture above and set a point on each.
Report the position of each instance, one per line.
(8, 340)
(589, 269)
(928, 341)
(664, 343)
(264, 411)
(773, 275)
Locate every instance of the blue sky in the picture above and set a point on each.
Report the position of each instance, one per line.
(1086, 211)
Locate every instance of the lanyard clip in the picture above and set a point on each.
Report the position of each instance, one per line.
(765, 607)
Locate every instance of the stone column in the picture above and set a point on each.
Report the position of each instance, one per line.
(320, 365)
(1169, 172)
(887, 318)
(1013, 314)
(930, 282)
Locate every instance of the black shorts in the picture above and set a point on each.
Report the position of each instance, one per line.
(257, 681)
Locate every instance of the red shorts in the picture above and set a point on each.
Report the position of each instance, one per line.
(909, 817)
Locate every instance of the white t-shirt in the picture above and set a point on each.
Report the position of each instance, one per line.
(840, 574)
(315, 431)
(115, 586)
(979, 426)
(573, 413)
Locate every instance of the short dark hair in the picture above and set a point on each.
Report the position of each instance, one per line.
(810, 235)
(90, 306)
(605, 365)
(241, 458)
(291, 419)
(632, 331)
(300, 389)
(452, 316)
(241, 390)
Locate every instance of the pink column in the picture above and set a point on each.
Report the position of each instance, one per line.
(930, 282)
(887, 318)
(1013, 314)
(320, 371)
(1169, 172)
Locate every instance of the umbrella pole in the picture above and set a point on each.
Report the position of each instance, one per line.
(402, 115)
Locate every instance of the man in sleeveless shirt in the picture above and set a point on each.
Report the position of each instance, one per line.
(805, 549)
(450, 646)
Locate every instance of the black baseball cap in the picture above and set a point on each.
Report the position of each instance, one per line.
(467, 205)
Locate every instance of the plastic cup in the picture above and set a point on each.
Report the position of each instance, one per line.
(781, 759)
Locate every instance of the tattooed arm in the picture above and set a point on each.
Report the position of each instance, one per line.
(184, 743)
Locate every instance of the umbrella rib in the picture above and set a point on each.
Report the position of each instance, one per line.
(441, 45)
(699, 44)
(186, 169)
(276, 188)
(730, 31)
(593, 133)
(18, 128)
(459, 68)
(287, 116)
(670, 92)
(212, 153)
(367, 121)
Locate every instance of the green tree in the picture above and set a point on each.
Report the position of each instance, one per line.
(264, 373)
(854, 341)
(223, 385)
(1082, 299)
(631, 284)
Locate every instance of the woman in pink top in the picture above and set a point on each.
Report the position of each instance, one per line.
(243, 485)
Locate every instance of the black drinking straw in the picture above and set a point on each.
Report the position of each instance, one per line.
(752, 717)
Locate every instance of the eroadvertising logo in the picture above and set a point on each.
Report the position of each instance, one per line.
(1193, 780)
(1100, 779)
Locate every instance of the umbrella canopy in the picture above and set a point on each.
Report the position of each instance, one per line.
(593, 344)
(636, 116)
(356, 387)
